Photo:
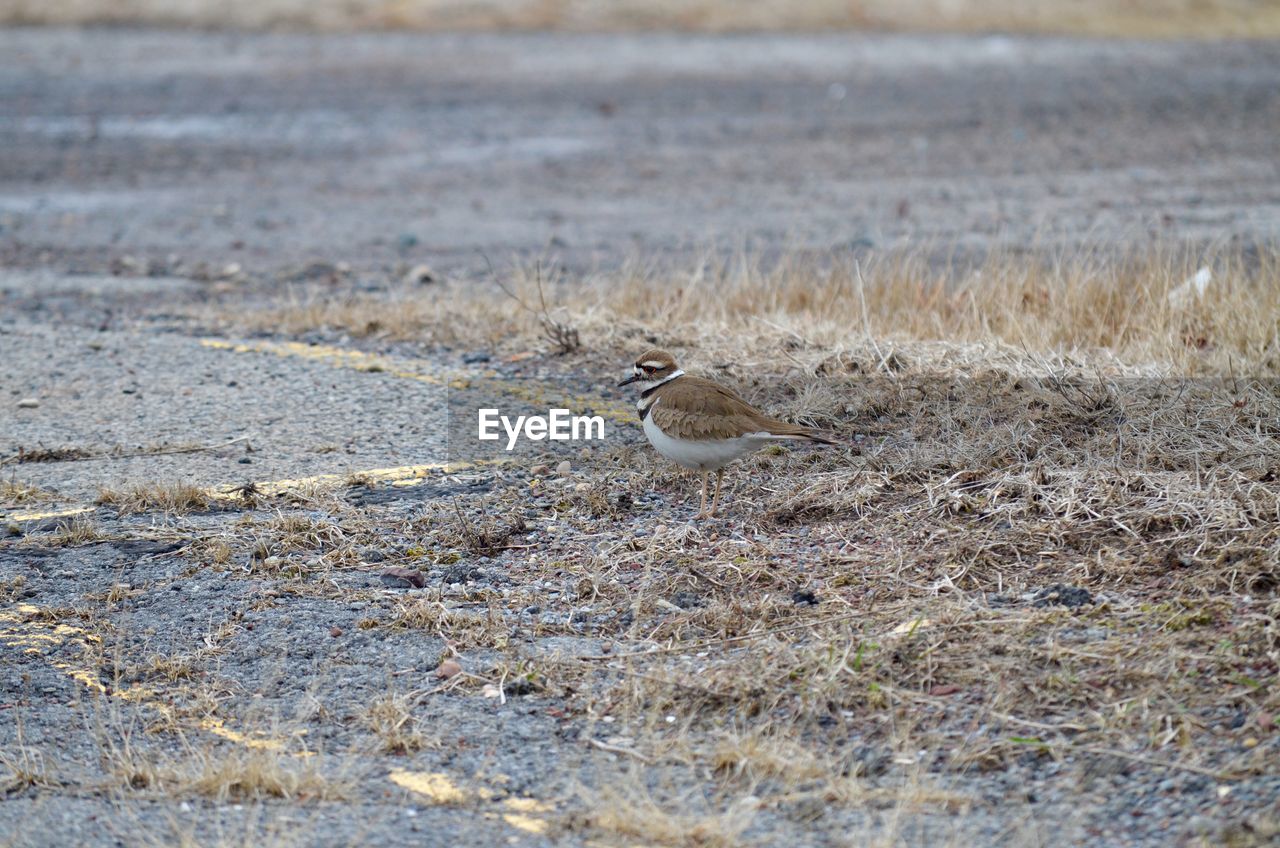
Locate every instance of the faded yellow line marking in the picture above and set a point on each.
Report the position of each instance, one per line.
(403, 475)
(520, 816)
(434, 786)
(536, 392)
(54, 513)
(26, 626)
(438, 788)
(217, 727)
(356, 360)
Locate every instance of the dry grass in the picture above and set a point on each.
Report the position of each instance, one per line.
(175, 498)
(16, 493)
(627, 809)
(1113, 312)
(390, 718)
(73, 532)
(1187, 18)
(25, 766)
(221, 772)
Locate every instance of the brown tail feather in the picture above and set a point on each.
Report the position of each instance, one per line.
(781, 428)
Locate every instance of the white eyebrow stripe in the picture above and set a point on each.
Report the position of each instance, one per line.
(653, 363)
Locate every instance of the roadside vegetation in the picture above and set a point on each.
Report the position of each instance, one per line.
(1124, 18)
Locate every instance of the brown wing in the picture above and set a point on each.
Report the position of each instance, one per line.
(695, 408)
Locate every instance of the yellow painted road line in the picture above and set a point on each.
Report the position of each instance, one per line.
(436, 787)
(536, 392)
(356, 360)
(521, 814)
(30, 629)
(54, 513)
(439, 789)
(403, 475)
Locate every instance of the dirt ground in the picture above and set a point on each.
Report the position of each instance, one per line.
(208, 653)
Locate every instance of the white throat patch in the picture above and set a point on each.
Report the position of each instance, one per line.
(653, 384)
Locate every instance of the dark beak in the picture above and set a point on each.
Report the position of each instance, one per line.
(629, 380)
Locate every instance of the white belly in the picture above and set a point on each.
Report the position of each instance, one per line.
(702, 455)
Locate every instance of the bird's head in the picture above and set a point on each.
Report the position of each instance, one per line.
(651, 368)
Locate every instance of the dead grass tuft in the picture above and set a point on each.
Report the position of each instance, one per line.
(226, 773)
(175, 498)
(390, 717)
(26, 767)
(15, 493)
(628, 809)
(459, 627)
(73, 532)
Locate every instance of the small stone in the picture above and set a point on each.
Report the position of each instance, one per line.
(1062, 595)
(448, 668)
(13, 528)
(583, 487)
(540, 470)
(565, 468)
(420, 275)
(231, 269)
(28, 403)
(397, 577)
(943, 689)
(1265, 722)
(1250, 742)
(476, 357)
(335, 631)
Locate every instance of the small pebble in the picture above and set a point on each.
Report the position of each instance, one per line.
(397, 577)
(564, 469)
(448, 668)
(28, 403)
(335, 631)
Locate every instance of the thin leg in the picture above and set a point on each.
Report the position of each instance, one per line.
(719, 485)
(702, 508)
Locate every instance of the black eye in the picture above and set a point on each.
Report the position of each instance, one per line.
(647, 368)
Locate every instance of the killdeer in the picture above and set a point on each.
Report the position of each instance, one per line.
(700, 424)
